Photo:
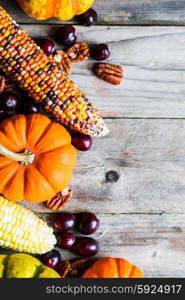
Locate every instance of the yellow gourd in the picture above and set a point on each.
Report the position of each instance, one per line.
(61, 9)
(21, 265)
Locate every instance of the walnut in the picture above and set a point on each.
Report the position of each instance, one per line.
(78, 52)
(63, 61)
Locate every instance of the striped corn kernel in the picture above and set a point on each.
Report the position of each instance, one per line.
(26, 63)
(22, 230)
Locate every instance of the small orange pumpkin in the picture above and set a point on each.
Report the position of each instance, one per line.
(61, 9)
(113, 268)
(36, 160)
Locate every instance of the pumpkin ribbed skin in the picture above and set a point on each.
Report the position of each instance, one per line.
(113, 268)
(52, 168)
(61, 9)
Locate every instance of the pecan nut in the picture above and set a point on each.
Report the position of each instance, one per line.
(78, 267)
(64, 268)
(59, 200)
(63, 61)
(109, 72)
(75, 268)
(6, 84)
(78, 52)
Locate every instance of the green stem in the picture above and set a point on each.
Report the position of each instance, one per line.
(25, 158)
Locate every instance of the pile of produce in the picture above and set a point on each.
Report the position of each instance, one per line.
(25, 266)
(87, 224)
(22, 230)
(37, 156)
(27, 64)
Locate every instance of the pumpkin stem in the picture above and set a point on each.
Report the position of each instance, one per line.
(25, 158)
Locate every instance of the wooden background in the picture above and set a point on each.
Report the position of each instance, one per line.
(144, 211)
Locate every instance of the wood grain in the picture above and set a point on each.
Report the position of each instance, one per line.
(149, 157)
(153, 59)
(122, 12)
(155, 243)
(148, 154)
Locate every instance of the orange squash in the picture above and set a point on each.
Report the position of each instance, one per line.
(61, 9)
(113, 268)
(36, 160)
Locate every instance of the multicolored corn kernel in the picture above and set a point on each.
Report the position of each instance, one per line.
(26, 63)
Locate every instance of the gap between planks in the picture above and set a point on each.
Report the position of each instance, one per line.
(153, 86)
(149, 157)
(159, 237)
(121, 12)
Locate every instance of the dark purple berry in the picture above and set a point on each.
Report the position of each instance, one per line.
(81, 141)
(66, 240)
(66, 35)
(51, 259)
(30, 107)
(9, 101)
(47, 46)
(65, 221)
(86, 246)
(89, 17)
(89, 223)
(101, 52)
(3, 115)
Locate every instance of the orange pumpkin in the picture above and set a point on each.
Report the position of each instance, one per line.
(61, 9)
(36, 160)
(113, 268)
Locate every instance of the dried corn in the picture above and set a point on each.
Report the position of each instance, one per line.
(26, 63)
(22, 230)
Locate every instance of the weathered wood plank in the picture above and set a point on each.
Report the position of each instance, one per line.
(155, 243)
(153, 58)
(147, 154)
(149, 157)
(122, 12)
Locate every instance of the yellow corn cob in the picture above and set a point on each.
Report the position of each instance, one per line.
(22, 230)
(26, 63)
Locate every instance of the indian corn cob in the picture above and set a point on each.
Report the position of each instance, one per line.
(46, 83)
(22, 230)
